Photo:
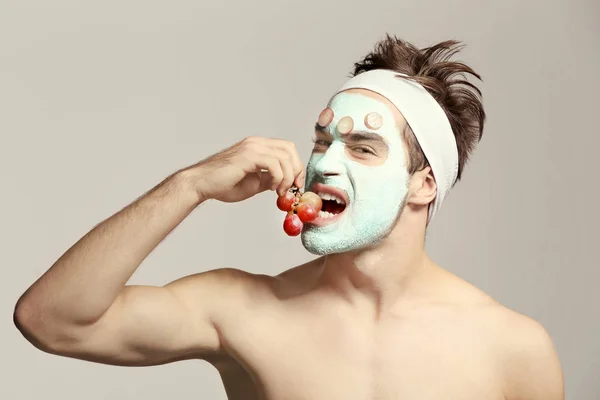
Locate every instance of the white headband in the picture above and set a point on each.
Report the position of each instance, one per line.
(427, 120)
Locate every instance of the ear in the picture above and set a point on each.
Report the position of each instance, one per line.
(422, 188)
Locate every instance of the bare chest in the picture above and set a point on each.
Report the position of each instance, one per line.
(316, 357)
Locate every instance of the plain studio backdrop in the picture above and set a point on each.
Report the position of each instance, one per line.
(100, 101)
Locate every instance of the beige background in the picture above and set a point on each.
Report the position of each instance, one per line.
(99, 101)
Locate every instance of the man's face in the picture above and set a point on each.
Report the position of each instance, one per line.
(358, 167)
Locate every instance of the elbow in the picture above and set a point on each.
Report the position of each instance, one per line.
(22, 316)
(42, 335)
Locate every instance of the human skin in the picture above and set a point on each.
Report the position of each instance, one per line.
(381, 322)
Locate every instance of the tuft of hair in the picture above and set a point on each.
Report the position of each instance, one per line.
(445, 80)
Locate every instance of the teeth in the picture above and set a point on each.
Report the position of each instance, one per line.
(325, 214)
(329, 196)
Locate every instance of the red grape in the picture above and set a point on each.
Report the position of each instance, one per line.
(312, 199)
(306, 212)
(300, 208)
(286, 201)
(292, 224)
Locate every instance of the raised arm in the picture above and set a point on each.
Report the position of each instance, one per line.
(81, 307)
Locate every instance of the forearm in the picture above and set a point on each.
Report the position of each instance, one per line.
(83, 283)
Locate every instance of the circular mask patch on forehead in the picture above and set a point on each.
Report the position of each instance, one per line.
(325, 117)
(345, 125)
(373, 120)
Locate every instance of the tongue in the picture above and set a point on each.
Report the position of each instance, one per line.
(332, 206)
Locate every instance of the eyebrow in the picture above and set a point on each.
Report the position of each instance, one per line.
(361, 136)
(358, 136)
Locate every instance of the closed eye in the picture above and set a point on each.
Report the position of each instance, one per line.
(357, 149)
(322, 142)
(363, 150)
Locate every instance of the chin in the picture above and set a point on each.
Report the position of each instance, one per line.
(313, 246)
(315, 242)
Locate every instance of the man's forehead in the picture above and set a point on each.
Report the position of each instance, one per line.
(362, 111)
(368, 110)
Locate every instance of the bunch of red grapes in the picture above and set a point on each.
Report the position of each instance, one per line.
(300, 208)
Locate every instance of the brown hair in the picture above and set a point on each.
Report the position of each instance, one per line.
(431, 67)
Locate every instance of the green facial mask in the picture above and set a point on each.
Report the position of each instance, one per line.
(376, 194)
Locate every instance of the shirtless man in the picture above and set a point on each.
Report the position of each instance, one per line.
(371, 318)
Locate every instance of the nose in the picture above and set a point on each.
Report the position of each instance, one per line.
(331, 163)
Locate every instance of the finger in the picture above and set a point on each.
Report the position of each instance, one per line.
(265, 155)
(265, 181)
(287, 167)
(291, 166)
(300, 179)
(298, 166)
(273, 166)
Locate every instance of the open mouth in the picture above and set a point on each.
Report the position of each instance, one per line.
(334, 201)
(332, 205)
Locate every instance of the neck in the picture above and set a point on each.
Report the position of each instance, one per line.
(384, 274)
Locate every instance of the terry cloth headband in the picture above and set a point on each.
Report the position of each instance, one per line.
(427, 120)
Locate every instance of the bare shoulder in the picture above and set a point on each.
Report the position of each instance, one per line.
(307, 270)
(521, 346)
(235, 288)
(296, 280)
(217, 280)
(222, 292)
(238, 288)
(528, 358)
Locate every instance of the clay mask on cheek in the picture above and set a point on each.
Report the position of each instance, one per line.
(376, 194)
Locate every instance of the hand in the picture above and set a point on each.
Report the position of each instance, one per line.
(249, 167)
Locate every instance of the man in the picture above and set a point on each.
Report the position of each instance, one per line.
(372, 318)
